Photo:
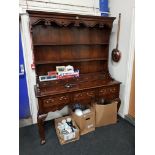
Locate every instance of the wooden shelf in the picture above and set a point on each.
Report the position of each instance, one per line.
(80, 83)
(64, 61)
(67, 44)
(81, 79)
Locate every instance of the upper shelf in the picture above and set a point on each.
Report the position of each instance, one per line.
(67, 44)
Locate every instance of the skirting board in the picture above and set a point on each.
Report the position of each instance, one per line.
(25, 122)
(130, 119)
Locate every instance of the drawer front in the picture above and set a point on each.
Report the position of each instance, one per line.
(111, 92)
(52, 103)
(84, 95)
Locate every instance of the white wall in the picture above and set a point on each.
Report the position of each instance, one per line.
(119, 71)
(122, 71)
(69, 6)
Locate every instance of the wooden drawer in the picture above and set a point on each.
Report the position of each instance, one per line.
(52, 103)
(111, 92)
(111, 96)
(84, 95)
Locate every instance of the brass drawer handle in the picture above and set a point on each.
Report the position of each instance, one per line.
(103, 91)
(113, 90)
(90, 93)
(78, 95)
(63, 98)
(49, 101)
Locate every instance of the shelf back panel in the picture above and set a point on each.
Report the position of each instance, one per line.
(75, 52)
(83, 67)
(69, 35)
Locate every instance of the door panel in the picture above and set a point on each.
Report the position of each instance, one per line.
(24, 110)
(132, 94)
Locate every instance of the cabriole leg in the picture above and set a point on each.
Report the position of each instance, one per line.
(41, 129)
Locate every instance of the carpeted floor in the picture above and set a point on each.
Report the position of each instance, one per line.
(117, 139)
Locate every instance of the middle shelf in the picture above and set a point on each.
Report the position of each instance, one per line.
(72, 60)
(69, 44)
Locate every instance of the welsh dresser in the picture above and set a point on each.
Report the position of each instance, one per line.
(82, 41)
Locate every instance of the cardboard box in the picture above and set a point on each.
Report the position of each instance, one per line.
(61, 137)
(105, 114)
(86, 122)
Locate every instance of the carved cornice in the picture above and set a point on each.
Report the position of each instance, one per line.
(48, 22)
(62, 19)
(67, 22)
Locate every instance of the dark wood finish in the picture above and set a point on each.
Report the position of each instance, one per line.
(69, 39)
(40, 119)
